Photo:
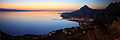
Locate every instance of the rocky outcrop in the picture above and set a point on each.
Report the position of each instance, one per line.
(113, 9)
(111, 21)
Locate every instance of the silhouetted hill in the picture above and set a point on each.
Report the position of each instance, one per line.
(113, 9)
(84, 11)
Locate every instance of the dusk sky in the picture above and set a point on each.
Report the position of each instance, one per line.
(52, 4)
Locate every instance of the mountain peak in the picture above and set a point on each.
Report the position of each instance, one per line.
(85, 7)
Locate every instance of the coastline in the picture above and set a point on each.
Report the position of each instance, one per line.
(104, 27)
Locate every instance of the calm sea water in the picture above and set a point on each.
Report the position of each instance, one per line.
(43, 22)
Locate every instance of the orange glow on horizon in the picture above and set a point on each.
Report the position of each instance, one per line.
(50, 8)
(52, 4)
(38, 7)
(43, 7)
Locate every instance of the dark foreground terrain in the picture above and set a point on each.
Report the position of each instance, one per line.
(102, 26)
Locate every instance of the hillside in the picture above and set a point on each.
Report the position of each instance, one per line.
(83, 12)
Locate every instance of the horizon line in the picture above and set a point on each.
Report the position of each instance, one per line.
(38, 9)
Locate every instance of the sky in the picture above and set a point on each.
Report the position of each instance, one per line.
(52, 4)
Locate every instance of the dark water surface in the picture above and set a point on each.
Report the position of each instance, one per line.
(20, 23)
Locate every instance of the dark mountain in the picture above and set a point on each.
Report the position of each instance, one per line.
(113, 9)
(85, 7)
(84, 11)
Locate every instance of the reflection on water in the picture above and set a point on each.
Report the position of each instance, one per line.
(20, 23)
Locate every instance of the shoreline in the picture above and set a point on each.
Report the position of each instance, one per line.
(106, 26)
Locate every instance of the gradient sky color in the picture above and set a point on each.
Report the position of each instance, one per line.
(53, 4)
